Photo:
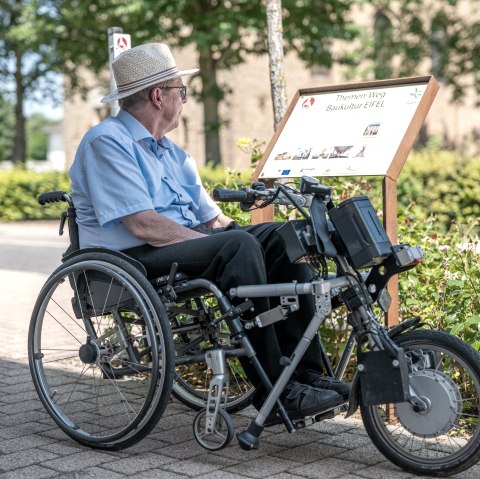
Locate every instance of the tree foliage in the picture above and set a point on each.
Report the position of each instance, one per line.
(444, 35)
(222, 33)
(28, 58)
(7, 128)
(37, 136)
(41, 37)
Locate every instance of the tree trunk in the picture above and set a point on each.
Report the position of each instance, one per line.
(276, 60)
(211, 97)
(19, 146)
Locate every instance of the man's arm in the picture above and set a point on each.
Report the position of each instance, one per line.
(220, 221)
(156, 229)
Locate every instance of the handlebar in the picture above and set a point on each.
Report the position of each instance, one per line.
(247, 196)
(54, 197)
(220, 194)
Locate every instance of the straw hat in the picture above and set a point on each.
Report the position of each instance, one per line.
(141, 67)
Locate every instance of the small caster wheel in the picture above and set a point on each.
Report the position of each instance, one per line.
(221, 434)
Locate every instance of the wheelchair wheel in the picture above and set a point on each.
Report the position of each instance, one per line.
(445, 439)
(100, 351)
(192, 336)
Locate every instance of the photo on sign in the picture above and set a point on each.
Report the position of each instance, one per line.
(283, 156)
(372, 129)
(359, 151)
(341, 151)
(321, 153)
(302, 154)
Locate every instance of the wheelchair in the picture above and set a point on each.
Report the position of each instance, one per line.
(108, 347)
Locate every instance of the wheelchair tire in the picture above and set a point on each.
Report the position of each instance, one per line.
(445, 439)
(101, 352)
(192, 337)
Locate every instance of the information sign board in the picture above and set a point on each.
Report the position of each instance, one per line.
(348, 130)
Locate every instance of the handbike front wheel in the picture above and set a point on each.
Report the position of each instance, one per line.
(100, 351)
(445, 439)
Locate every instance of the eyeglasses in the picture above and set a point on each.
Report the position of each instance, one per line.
(183, 90)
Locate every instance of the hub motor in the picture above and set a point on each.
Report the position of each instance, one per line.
(444, 404)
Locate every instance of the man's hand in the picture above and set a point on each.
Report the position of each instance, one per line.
(156, 229)
(220, 221)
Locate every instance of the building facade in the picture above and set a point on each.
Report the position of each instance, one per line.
(247, 109)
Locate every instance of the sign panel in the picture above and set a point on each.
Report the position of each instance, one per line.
(343, 132)
(121, 42)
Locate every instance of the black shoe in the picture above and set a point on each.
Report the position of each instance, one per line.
(312, 378)
(301, 400)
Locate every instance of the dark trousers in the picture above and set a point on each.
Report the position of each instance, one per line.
(234, 256)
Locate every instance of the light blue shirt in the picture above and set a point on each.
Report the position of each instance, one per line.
(120, 169)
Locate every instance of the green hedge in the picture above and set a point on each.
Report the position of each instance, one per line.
(444, 290)
(442, 184)
(19, 191)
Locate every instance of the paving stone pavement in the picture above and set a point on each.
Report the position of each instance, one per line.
(32, 446)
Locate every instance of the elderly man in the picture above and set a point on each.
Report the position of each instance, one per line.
(138, 192)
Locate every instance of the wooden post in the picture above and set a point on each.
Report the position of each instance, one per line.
(391, 227)
(264, 215)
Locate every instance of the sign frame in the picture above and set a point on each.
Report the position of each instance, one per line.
(389, 187)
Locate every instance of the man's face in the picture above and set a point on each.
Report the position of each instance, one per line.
(172, 104)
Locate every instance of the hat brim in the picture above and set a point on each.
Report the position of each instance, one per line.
(114, 96)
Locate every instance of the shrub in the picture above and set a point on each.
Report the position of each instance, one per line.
(443, 184)
(445, 289)
(20, 189)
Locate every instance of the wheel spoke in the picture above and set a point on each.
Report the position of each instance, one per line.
(100, 386)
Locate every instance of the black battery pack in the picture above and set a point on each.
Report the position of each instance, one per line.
(361, 232)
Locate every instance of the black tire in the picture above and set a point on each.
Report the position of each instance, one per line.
(192, 336)
(100, 351)
(445, 439)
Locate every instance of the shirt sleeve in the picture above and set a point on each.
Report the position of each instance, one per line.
(116, 185)
(206, 208)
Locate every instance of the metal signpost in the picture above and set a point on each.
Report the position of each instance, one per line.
(118, 42)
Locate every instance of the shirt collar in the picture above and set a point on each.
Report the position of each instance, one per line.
(136, 129)
(139, 132)
(164, 143)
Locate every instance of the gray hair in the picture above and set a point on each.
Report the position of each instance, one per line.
(141, 97)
